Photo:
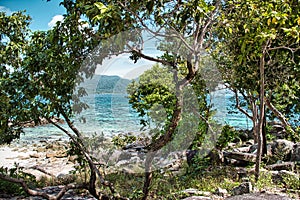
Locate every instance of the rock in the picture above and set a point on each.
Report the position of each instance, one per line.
(243, 149)
(278, 176)
(258, 196)
(122, 163)
(221, 192)
(250, 142)
(115, 156)
(50, 154)
(216, 156)
(65, 178)
(295, 157)
(35, 155)
(244, 188)
(249, 157)
(197, 198)
(40, 149)
(72, 158)
(192, 191)
(56, 154)
(125, 155)
(282, 149)
(282, 166)
(61, 154)
(253, 148)
(190, 155)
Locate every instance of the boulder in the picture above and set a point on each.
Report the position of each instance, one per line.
(295, 157)
(35, 155)
(281, 149)
(249, 157)
(197, 198)
(192, 191)
(216, 156)
(221, 192)
(278, 176)
(243, 188)
(57, 154)
(282, 166)
(258, 196)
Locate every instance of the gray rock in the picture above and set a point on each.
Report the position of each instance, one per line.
(244, 188)
(295, 157)
(253, 148)
(192, 191)
(35, 155)
(115, 156)
(221, 192)
(197, 198)
(278, 176)
(249, 157)
(258, 196)
(282, 149)
(282, 166)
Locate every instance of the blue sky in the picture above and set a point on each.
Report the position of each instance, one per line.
(41, 11)
(44, 15)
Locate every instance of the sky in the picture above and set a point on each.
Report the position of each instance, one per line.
(44, 14)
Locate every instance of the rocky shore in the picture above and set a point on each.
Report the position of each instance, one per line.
(42, 158)
(48, 158)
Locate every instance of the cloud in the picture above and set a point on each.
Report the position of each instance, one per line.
(6, 10)
(55, 19)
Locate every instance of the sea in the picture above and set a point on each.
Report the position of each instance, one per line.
(111, 114)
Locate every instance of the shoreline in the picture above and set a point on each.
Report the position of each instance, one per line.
(37, 158)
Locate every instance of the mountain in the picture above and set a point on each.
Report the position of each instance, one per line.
(105, 84)
(111, 84)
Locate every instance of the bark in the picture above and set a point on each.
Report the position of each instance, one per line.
(279, 115)
(261, 113)
(94, 170)
(148, 174)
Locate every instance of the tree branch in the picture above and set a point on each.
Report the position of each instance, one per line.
(238, 106)
(279, 115)
(42, 194)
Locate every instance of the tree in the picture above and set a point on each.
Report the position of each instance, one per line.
(53, 59)
(40, 72)
(13, 31)
(185, 25)
(258, 44)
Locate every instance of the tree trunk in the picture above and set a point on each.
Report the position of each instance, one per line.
(261, 114)
(148, 174)
(264, 135)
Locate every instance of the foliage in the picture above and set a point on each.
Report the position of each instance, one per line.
(14, 188)
(153, 95)
(13, 107)
(123, 140)
(258, 41)
(248, 27)
(291, 181)
(228, 134)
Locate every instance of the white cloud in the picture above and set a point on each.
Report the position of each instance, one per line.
(55, 19)
(6, 10)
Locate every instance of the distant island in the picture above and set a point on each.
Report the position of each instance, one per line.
(106, 84)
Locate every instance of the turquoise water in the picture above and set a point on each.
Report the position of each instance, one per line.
(111, 114)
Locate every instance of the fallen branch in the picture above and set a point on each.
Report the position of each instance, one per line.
(39, 193)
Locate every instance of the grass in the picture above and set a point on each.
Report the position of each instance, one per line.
(169, 185)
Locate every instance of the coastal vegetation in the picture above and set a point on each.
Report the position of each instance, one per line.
(250, 47)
